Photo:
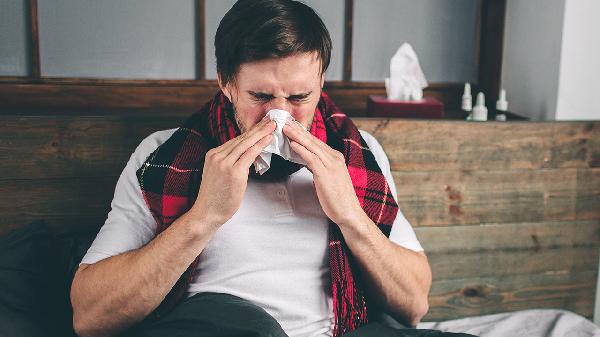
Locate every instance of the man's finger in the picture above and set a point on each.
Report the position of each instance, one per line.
(248, 157)
(312, 160)
(251, 139)
(226, 148)
(307, 140)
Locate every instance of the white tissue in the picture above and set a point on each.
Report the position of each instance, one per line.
(406, 81)
(280, 144)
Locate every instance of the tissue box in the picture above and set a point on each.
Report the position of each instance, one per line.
(428, 107)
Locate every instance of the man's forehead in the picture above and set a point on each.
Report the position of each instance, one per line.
(298, 73)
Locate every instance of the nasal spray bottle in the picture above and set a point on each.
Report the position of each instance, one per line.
(467, 101)
(501, 106)
(480, 111)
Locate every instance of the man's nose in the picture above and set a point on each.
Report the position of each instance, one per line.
(280, 103)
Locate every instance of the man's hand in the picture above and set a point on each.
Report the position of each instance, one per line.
(225, 174)
(331, 178)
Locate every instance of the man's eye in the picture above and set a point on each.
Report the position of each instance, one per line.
(262, 98)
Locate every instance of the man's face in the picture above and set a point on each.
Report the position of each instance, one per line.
(291, 83)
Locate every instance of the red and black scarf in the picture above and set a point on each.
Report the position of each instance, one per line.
(170, 178)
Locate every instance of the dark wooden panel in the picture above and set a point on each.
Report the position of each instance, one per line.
(444, 145)
(348, 29)
(201, 38)
(442, 198)
(525, 236)
(66, 204)
(491, 47)
(538, 246)
(502, 263)
(594, 146)
(103, 94)
(450, 299)
(588, 194)
(169, 95)
(55, 147)
(34, 39)
(85, 146)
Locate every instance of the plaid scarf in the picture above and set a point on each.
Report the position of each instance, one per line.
(170, 179)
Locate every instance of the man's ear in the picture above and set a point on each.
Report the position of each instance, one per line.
(224, 88)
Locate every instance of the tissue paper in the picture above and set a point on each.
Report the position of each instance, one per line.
(280, 145)
(406, 81)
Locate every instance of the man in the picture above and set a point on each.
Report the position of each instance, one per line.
(249, 253)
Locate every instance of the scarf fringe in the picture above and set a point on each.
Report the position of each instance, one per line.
(349, 305)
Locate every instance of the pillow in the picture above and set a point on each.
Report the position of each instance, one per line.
(27, 284)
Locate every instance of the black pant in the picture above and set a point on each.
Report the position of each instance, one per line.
(224, 315)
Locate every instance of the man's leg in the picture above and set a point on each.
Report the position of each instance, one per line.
(212, 314)
(376, 329)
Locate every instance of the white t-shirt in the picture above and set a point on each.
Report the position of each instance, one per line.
(272, 252)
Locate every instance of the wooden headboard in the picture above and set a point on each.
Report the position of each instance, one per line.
(508, 213)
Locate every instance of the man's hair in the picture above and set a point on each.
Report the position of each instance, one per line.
(255, 30)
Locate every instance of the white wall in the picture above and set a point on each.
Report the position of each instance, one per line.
(579, 90)
(149, 39)
(551, 59)
(443, 34)
(14, 44)
(532, 45)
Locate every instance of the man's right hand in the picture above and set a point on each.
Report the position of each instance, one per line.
(225, 174)
(113, 294)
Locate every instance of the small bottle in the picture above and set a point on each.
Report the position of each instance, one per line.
(467, 101)
(501, 106)
(480, 111)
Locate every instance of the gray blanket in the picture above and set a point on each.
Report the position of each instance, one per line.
(524, 323)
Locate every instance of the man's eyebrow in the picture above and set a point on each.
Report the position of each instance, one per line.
(265, 95)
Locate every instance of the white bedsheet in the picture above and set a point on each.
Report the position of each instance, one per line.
(524, 323)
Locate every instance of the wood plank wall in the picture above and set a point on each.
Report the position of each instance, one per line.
(508, 213)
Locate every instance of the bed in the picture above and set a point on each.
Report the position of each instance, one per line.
(522, 323)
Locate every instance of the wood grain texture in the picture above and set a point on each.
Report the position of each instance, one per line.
(438, 198)
(34, 39)
(348, 32)
(201, 40)
(451, 299)
(447, 145)
(507, 225)
(59, 147)
(65, 204)
(518, 236)
(189, 95)
(50, 145)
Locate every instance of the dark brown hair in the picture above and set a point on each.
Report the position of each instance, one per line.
(254, 30)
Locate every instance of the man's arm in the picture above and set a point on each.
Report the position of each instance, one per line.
(399, 278)
(117, 292)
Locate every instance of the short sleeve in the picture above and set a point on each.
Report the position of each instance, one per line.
(129, 224)
(402, 232)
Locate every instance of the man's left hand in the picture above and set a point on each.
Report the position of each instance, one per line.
(331, 178)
